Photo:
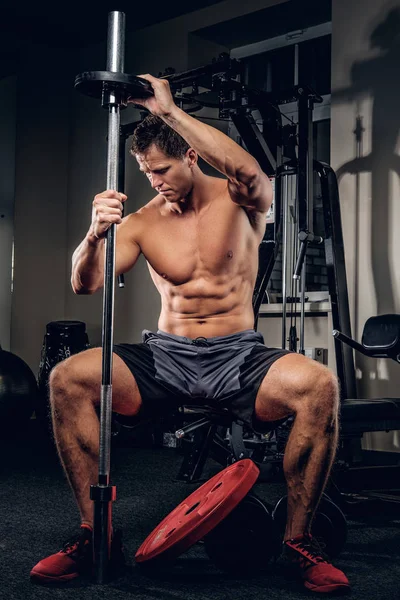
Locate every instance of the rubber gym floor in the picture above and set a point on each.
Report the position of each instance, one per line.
(38, 514)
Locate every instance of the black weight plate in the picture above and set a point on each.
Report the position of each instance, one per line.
(254, 500)
(245, 540)
(337, 526)
(91, 84)
(329, 524)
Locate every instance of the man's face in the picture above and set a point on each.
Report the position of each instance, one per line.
(171, 177)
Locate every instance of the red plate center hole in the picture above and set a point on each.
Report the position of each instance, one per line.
(192, 508)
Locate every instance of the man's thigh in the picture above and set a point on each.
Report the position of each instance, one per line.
(84, 370)
(287, 383)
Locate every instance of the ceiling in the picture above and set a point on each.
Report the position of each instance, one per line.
(79, 24)
(269, 22)
(74, 23)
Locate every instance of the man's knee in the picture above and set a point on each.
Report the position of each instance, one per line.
(58, 380)
(322, 397)
(77, 380)
(307, 385)
(69, 378)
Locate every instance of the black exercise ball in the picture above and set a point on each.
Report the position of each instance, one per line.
(18, 392)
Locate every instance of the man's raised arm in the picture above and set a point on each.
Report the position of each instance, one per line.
(248, 185)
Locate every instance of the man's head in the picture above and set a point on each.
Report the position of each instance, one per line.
(165, 157)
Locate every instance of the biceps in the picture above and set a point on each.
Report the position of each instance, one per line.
(126, 257)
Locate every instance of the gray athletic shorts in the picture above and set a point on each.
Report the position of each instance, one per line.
(225, 372)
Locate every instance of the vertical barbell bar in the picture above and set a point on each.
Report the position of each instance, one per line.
(104, 494)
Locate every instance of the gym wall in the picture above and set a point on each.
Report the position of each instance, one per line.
(365, 85)
(41, 175)
(8, 112)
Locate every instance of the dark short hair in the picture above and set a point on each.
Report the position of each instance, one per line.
(153, 130)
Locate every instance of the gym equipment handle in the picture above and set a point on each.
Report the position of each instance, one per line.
(350, 342)
(305, 237)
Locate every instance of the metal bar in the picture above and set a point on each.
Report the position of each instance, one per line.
(303, 306)
(294, 246)
(302, 161)
(266, 260)
(285, 202)
(255, 142)
(310, 165)
(278, 192)
(109, 278)
(104, 494)
(121, 183)
(187, 77)
(337, 280)
(193, 463)
(305, 189)
(116, 42)
(180, 433)
(296, 64)
(358, 132)
(338, 335)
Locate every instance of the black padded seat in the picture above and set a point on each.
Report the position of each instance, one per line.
(377, 414)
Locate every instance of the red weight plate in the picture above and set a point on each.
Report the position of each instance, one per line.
(200, 512)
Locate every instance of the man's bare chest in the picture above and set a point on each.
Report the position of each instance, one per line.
(187, 246)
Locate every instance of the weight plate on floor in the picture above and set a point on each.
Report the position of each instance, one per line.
(199, 513)
(245, 540)
(329, 524)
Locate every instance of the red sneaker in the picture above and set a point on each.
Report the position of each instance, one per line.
(318, 573)
(75, 558)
